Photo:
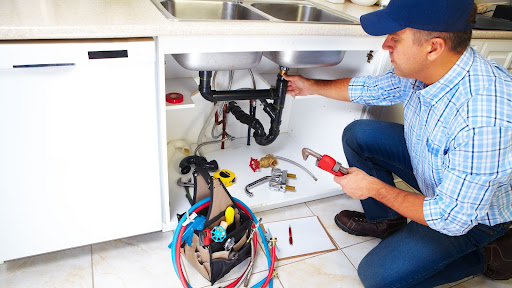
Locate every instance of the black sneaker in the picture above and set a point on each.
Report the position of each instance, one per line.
(355, 223)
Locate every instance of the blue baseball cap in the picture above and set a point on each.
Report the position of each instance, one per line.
(431, 15)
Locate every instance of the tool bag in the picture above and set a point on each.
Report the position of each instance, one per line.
(214, 260)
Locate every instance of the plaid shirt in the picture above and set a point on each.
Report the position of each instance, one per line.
(459, 136)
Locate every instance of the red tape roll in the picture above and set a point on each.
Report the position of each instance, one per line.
(174, 98)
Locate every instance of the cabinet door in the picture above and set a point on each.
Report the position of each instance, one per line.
(499, 51)
(477, 44)
(79, 160)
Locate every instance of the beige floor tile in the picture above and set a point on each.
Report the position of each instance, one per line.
(285, 213)
(328, 270)
(297, 259)
(68, 268)
(357, 252)
(456, 282)
(140, 261)
(327, 208)
(484, 282)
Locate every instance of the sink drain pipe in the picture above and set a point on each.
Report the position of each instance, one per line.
(274, 109)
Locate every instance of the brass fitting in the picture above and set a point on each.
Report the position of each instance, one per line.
(291, 188)
(268, 161)
(283, 70)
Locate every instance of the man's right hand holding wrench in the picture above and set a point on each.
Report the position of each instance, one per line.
(358, 185)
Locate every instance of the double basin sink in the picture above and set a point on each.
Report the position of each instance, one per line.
(214, 10)
(300, 11)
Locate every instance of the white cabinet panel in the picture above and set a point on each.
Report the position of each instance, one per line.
(499, 51)
(477, 44)
(79, 159)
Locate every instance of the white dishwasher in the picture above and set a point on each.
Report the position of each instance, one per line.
(79, 153)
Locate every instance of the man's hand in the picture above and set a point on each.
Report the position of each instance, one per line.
(334, 89)
(357, 184)
(298, 85)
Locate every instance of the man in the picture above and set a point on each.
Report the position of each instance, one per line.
(455, 147)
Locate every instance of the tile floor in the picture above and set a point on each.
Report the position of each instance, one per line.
(145, 260)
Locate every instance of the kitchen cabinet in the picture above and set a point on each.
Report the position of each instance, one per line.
(80, 152)
(477, 44)
(312, 121)
(499, 51)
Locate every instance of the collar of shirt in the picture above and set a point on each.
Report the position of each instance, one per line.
(433, 93)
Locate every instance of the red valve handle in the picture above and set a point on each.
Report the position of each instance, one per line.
(254, 164)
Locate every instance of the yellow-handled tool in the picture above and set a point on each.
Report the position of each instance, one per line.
(230, 215)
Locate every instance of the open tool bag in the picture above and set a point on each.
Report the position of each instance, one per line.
(217, 241)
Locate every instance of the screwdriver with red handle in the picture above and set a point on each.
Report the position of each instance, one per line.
(290, 233)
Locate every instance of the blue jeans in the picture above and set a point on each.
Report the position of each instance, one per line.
(416, 255)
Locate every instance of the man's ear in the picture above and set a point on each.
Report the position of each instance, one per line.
(437, 47)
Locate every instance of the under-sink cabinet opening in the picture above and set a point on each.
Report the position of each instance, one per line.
(307, 121)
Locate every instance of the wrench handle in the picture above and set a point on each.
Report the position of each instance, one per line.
(327, 163)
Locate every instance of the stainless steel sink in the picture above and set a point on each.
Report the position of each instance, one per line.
(305, 59)
(299, 12)
(210, 10)
(213, 10)
(218, 61)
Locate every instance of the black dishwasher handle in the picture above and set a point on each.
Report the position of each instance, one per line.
(43, 65)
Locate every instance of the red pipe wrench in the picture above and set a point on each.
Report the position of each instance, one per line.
(325, 162)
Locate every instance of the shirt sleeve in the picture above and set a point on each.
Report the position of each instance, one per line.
(382, 90)
(478, 166)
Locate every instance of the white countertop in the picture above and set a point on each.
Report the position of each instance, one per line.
(71, 19)
(65, 19)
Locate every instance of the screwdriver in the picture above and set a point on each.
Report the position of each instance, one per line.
(290, 233)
